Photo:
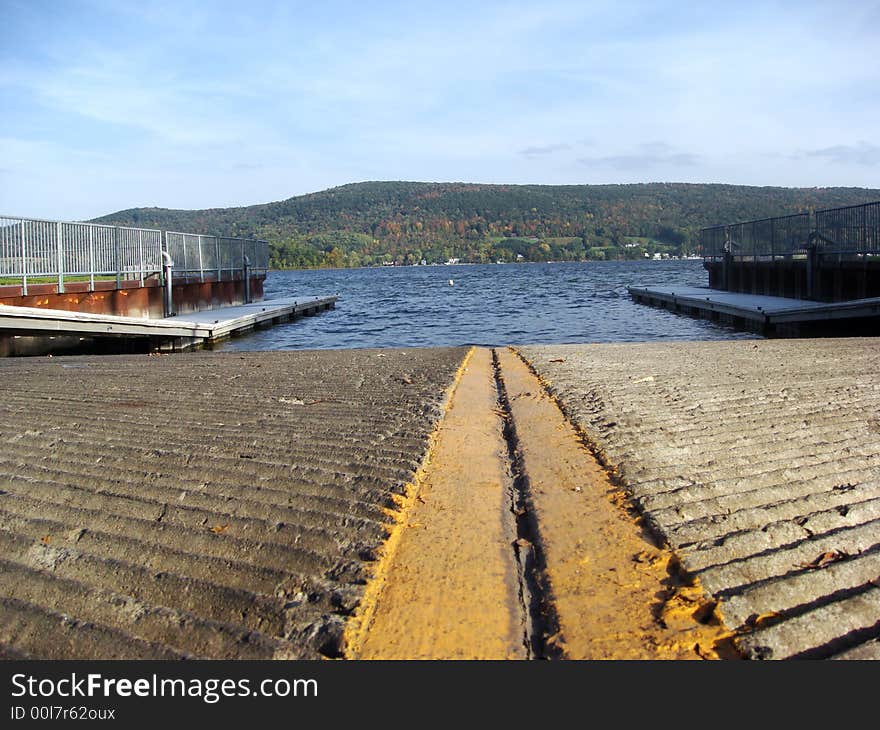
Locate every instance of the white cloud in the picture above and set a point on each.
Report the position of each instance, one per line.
(215, 105)
(646, 156)
(859, 154)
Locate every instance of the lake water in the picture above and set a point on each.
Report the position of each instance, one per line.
(486, 305)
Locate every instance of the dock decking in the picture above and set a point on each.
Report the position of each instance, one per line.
(764, 313)
(172, 333)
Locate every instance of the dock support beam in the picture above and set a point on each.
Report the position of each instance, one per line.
(813, 268)
(726, 267)
(167, 298)
(247, 280)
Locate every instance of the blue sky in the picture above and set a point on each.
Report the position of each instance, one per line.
(106, 104)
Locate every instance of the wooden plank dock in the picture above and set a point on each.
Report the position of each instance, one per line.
(764, 313)
(180, 332)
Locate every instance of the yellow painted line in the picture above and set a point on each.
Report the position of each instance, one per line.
(446, 585)
(616, 593)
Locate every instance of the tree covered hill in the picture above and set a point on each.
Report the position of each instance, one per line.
(406, 222)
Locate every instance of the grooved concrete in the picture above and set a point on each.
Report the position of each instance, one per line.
(759, 462)
(204, 505)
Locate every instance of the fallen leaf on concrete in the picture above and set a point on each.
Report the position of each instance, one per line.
(407, 380)
(826, 558)
(646, 379)
(46, 539)
(843, 487)
(220, 529)
(558, 359)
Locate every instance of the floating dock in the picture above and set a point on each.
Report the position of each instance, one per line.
(766, 314)
(182, 332)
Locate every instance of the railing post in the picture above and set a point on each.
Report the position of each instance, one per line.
(219, 262)
(167, 265)
(24, 289)
(163, 248)
(91, 260)
(141, 255)
(60, 256)
(185, 257)
(247, 279)
(201, 268)
(772, 240)
(117, 253)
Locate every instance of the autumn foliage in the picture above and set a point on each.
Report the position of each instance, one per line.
(373, 223)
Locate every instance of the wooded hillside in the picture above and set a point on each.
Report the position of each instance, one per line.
(405, 222)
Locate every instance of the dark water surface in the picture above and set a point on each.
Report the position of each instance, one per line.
(512, 304)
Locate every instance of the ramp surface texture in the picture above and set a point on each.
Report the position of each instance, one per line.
(759, 463)
(204, 505)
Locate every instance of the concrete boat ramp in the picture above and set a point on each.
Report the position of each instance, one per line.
(766, 314)
(180, 332)
(668, 500)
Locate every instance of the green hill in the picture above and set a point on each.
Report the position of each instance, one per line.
(375, 222)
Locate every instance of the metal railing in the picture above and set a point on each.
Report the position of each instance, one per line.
(211, 256)
(33, 251)
(765, 238)
(854, 229)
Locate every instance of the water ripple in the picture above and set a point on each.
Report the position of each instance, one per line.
(487, 305)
